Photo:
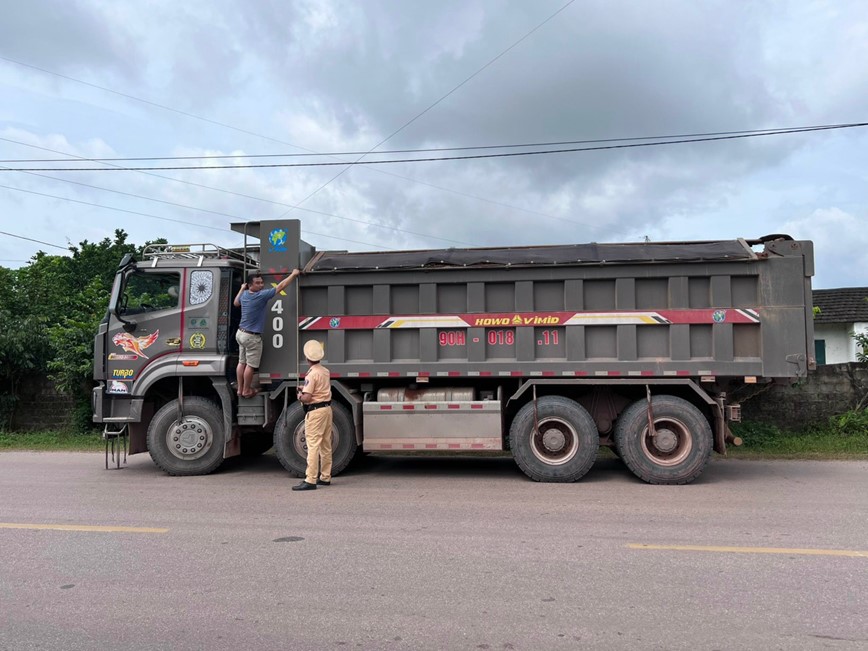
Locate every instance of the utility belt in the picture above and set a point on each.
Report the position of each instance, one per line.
(250, 332)
(316, 405)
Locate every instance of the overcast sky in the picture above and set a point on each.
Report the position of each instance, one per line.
(94, 78)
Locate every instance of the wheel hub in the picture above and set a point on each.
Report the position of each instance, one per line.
(665, 440)
(554, 440)
(189, 438)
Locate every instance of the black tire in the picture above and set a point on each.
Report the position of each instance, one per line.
(564, 447)
(193, 446)
(254, 444)
(681, 449)
(291, 448)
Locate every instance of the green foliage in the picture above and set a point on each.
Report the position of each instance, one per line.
(50, 310)
(851, 423)
(844, 436)
(23, 344)
(861, 346)
(72, 334)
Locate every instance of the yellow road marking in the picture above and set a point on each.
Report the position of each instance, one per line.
(81, 527)
(752, 550)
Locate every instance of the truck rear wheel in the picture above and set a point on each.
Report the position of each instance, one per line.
(678, 452)
(563, 445)
(291, 447)
(192, 445)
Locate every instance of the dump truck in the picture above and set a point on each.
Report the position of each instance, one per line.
(546, 352)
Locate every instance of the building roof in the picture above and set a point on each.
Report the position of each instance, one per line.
(842, 305)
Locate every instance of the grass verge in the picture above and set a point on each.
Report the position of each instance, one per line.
(51, 440)
(842, 437)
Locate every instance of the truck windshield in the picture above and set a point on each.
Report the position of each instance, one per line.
(146, 291)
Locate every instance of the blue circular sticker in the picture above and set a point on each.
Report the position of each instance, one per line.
(719, 316)
(335, 322)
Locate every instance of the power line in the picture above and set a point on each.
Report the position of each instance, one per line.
(30, 239)
(167, 219)
(412, 120)
(223, 214)
(317, 212)
(438, 159)
(264, 137)
(770, 131)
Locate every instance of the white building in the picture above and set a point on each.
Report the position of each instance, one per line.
(843, 313)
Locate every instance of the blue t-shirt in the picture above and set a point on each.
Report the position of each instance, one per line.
(253, 308)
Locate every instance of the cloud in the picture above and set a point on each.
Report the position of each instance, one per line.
(840, 246)
(344, 75)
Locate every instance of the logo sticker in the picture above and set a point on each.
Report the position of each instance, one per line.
(718, 316)
(123, 372)
(197, 340)
(118, 387)
(198, 322)
(335, 322)
(122, 358)
(277, 240)
(135, 345)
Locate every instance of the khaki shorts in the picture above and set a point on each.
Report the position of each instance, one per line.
(249, 348)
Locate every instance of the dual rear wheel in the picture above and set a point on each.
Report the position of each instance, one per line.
(557, 440)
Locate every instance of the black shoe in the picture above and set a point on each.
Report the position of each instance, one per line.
(304, 486)
(323, 482)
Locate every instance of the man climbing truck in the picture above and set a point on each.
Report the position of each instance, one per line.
(546, 351)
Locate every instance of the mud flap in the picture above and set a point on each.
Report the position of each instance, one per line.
(232, 446)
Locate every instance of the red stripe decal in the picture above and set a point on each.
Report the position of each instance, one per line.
(394, 374)
(516, 373)
(423, 374)
(431, 446)
(385, 407)
(548, 373)
(476, 406)
(613, 372)
(430, 406)
(454, 446)
(647, 372)
(477, 446)
(454, 373)
(649, 317)
(408, 446)
(453, 406)
(682, 372)
(408, 407)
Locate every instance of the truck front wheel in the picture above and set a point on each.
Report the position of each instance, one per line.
(678, 449)
(556, 443)
(191, 445)
(291, 446)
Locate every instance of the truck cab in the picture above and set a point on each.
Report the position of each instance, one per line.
(168, 334)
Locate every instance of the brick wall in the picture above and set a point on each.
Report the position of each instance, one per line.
(40, 406)
(830, 390)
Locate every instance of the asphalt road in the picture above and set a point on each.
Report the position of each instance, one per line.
(431, 553)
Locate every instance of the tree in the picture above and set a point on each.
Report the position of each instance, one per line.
(57, 302)
(24, 346)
